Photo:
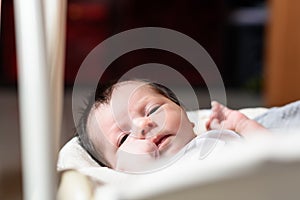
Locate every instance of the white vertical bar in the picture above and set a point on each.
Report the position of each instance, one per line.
(55, 23)
(39, 176)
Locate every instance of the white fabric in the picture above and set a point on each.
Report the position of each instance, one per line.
(263, 168)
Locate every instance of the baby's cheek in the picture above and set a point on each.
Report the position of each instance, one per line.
(168, 120)
(173, 124)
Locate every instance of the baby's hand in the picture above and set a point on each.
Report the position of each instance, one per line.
(224, 118)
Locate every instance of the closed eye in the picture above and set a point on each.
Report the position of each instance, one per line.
(123, 139)
(153, 110)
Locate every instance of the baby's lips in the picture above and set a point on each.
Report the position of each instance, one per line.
(158, 139)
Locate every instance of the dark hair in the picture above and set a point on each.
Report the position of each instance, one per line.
(163, 90)
(102, 96)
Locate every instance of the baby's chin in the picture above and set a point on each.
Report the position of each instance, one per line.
(136, 162)
(149, 161)
(143, 163)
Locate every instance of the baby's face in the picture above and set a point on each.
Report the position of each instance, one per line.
(139, 124)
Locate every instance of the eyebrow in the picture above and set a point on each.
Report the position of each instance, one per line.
(140, 104)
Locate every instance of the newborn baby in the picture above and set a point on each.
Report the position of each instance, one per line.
(132, 124)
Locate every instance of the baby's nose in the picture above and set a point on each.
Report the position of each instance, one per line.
(142, 126)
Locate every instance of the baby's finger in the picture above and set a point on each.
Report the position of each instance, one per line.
(207, 124)
(214, 105)
(215, 124)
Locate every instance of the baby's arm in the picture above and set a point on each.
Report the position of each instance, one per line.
(225, 118)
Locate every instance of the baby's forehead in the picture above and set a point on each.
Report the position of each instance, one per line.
(129, 95)
(125, 97)
(126, 89)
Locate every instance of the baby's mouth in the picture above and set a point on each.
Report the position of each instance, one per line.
(161, 140)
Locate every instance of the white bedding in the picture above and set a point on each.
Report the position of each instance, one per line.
(262, 168)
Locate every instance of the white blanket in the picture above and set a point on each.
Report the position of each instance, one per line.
(261, 168)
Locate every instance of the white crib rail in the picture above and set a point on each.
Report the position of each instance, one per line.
(40, 52)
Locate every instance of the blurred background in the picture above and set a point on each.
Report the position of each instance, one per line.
(254, 43)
